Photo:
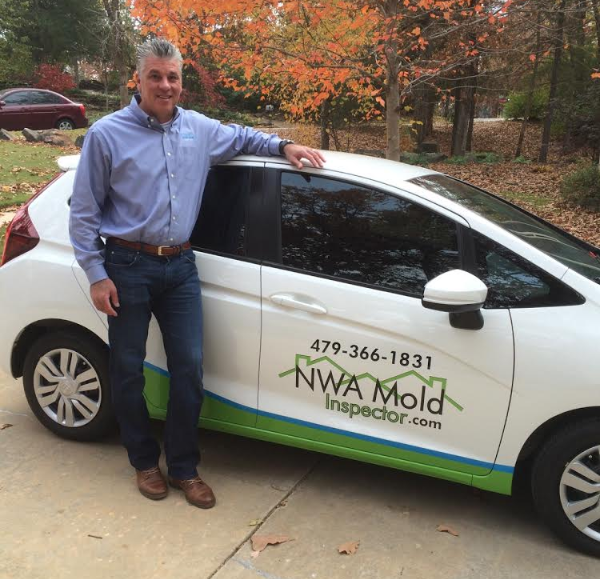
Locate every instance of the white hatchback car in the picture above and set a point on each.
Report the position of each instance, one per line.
(369, 309)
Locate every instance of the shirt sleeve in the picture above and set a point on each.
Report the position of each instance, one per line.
(227, 141)
(92, 183)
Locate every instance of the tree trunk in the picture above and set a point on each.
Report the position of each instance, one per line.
(472, 94)
(424, 108)
(113, 12)
(392, 114)
(460, 127)
(558, 46)
(324, 114)
(596, 10)
(531, 91)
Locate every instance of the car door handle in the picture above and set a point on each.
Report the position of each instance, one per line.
(297, 302)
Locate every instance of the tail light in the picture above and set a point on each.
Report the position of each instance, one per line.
(82, 109)
(21, 235)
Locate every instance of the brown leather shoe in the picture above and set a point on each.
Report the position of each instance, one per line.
(197, 492)
(151, 483)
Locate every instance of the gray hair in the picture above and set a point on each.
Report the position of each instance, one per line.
(160, 48)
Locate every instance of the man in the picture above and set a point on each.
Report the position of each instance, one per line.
(139, 185)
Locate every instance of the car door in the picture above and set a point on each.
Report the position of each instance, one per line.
(350, 359)
(13, 113)
(44, 109)
(231, 302)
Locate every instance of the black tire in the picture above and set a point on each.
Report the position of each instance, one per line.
(90, 420)
(550, 489)
(65, 124)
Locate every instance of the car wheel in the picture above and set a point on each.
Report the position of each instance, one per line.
(566, 485)
(65, 125)
(66, 383)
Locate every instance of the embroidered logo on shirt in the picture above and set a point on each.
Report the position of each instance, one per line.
(187, 136)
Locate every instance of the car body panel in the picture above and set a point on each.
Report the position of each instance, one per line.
(255, 346)
(38, 115)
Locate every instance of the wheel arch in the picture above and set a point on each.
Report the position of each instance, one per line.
(535, 441)
(37, 329)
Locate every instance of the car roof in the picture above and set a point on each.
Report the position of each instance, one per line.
(30, 89)
(364, 166)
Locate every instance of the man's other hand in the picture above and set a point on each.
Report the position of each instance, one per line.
(104, 296)
(295, 153)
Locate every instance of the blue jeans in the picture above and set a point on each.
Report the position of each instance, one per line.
(169, 288)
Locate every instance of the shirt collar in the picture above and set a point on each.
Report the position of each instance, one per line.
(143, 118)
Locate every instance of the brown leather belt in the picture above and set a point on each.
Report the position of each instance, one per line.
(162, 250)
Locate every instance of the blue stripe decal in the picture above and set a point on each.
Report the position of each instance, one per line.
(425, 451)
(464, 460)
(157, 369)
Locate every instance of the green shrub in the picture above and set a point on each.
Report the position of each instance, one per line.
(582, 187)
(522, 160)
(517, 101)
(457, 160)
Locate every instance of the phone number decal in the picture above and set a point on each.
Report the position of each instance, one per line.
(373, 354)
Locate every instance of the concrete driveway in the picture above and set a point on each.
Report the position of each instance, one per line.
(71, 510)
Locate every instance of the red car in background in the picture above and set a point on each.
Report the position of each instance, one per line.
(36, 108)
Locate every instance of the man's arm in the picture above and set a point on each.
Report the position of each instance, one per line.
(92, 182)
(227, 141)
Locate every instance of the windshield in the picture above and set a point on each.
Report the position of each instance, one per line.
(570, 251)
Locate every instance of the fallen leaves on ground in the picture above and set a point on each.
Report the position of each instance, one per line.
(348, 548)
(260, 542)
(447, 529)
(5, 426)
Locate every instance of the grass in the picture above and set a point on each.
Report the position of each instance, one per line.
(2, 234)
(23, 167)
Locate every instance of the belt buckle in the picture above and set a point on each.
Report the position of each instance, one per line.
(161, 248)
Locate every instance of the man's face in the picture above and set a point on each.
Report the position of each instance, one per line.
(159, 84)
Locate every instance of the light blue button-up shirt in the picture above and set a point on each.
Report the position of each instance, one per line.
(140, 181)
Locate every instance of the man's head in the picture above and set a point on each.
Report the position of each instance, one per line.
(159, 78)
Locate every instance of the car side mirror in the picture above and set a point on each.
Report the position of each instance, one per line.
(459, 293)
(2, 103)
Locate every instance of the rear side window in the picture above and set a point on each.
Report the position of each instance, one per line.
(357, 234)
(46, 98)
(221, 225)
(514, 282)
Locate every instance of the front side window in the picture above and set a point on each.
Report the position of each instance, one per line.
(571, 252)
(513, 282)
(221, 225)
(357, 234)
(17, 98)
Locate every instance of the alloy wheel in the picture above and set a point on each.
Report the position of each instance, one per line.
(580, 492)
(67, 388)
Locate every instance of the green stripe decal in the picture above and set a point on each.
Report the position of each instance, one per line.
(221, 414)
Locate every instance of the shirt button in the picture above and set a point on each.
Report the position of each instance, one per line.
(173, 175)
(168, 154)
(171, 239)
(173, 217)
(173, 197)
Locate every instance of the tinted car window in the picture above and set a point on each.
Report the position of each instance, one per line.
(513, 282)
(570, 251)
(17, 98)
(221, 226)
(45, 98)
(362, 235)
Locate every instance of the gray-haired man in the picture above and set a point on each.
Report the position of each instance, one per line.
(139, 184)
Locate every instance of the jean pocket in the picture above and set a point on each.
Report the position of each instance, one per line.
(120, 258)
(189, 255)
